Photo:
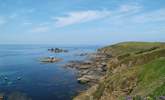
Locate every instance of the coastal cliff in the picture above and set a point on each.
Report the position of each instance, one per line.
(135, 70)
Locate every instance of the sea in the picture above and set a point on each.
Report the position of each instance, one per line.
(24, 77)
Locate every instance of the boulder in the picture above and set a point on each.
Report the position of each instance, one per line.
(84, 67)
(83, 80)
(86, 78)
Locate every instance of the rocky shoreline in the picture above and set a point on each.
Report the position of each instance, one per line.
(90, 71)
(133, 70)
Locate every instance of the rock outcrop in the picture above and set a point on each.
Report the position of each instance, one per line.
(134, 70)
(57, 50)
(50, 60)
(92, 70)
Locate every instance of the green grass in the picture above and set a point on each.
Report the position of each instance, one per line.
(148, 67)
(139, 71)
(131, 47)
(159, 91)
(151, 79)
(98, 93)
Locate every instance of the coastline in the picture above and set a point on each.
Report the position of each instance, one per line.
(90, 71)
(118, 63)
(21, 63)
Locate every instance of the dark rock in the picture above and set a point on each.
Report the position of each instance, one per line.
(57, 50)
(92, 70)
(83, 54)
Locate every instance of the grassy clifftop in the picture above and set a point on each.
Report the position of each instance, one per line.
(135, 69)
(131, 47)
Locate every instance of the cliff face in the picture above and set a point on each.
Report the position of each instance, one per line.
(135, 69)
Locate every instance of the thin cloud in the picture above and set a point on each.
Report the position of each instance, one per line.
(2, 21)
(27, 23)
(153, 16)
(40, 29)
(91, 15)
(130, 8)
(80, 17)
(124, 11)
(13, 15)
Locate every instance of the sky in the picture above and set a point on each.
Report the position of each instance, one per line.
(81, 21)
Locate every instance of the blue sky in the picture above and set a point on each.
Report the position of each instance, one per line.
(81, 21)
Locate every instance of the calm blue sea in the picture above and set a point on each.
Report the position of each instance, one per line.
(22, 75)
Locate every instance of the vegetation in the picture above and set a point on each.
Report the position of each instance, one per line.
(131, 47)
(136, 69)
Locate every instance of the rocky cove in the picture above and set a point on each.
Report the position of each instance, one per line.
(97, 69)
(90, 71)
(84, 73)
(125, 71)
(35, 72)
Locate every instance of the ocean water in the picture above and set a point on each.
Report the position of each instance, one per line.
(22, 75)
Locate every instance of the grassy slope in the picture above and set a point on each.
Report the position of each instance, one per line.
(130, 47)
(139, 70)
(151, 78)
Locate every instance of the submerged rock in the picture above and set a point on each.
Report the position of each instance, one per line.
(6, 78)
(9, 82)
(1, 96)
(18, 96)
(19, 78)
(83, 54)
